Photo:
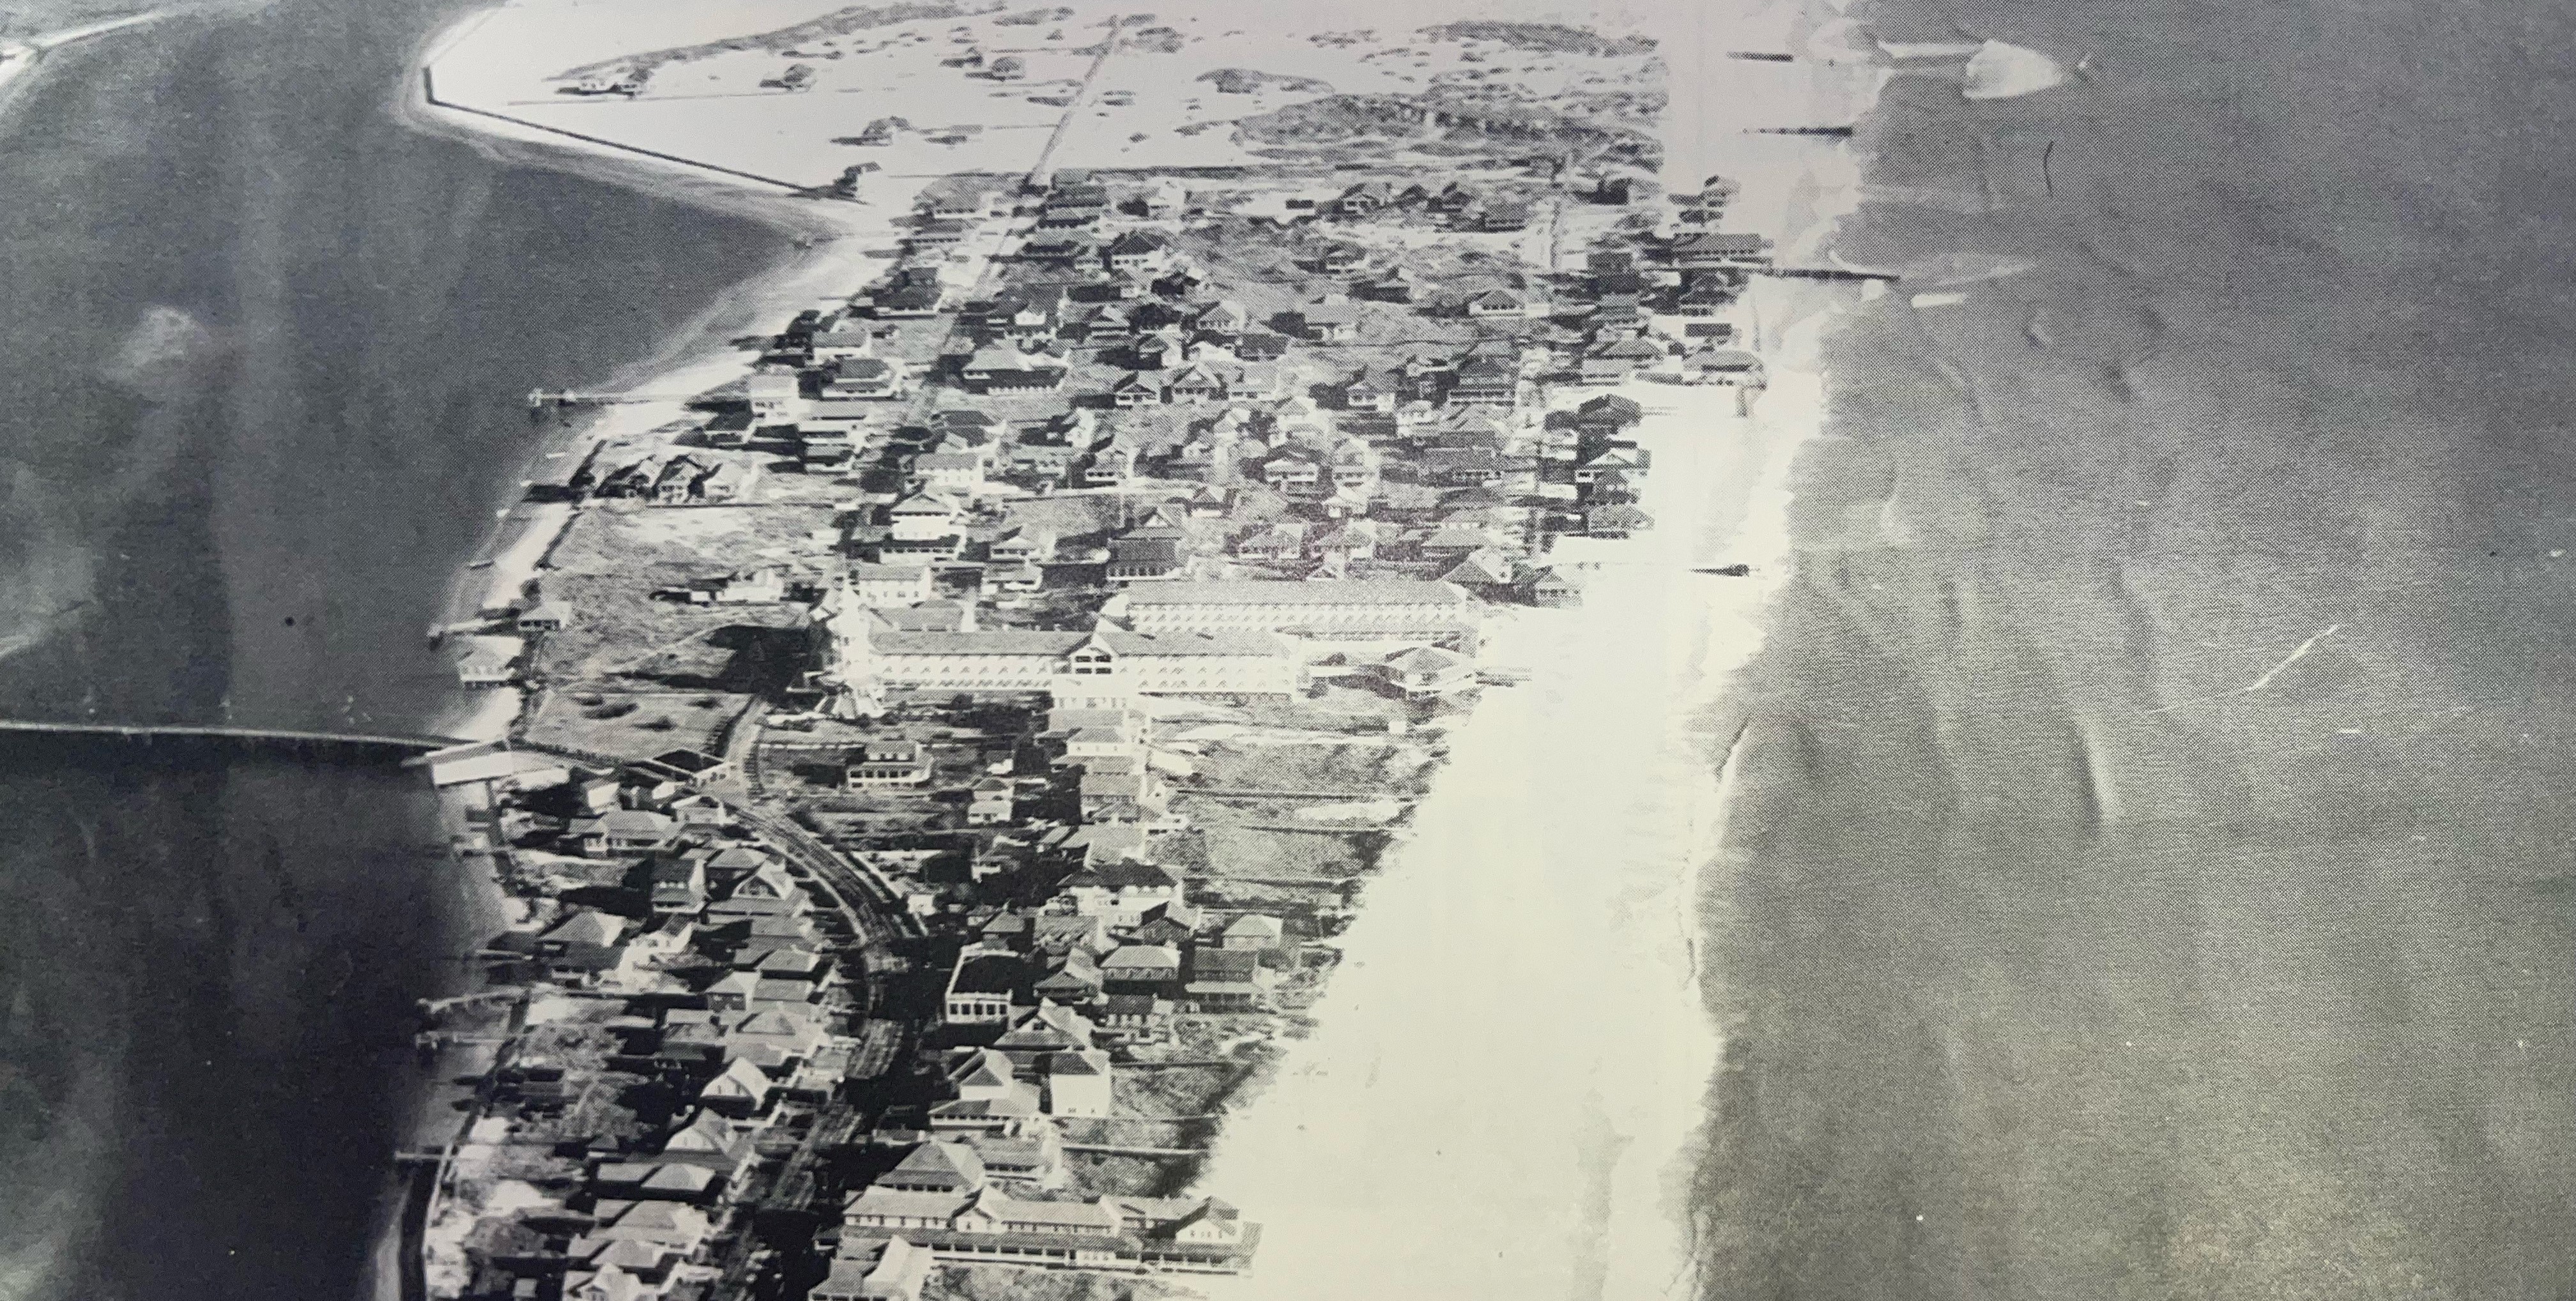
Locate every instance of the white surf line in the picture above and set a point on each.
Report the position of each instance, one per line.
(2259, 683)
(18, 58)
(2295, 656)
(56, 40)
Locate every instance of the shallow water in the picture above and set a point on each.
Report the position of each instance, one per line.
(2153, 846)
(264, 350)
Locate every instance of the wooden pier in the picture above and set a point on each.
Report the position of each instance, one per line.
(363, 746)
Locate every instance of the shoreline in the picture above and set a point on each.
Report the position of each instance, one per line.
(696, 356)
(1644, 1150)
(1659, 1120)
(832, 243)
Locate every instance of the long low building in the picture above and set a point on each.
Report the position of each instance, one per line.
(1145, 1234)
(872, 657)
(1356, 609)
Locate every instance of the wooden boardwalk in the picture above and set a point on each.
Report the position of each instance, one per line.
(377, 745)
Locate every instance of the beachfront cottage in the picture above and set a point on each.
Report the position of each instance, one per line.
(774, 395)
(839, 342)
(544, 616)
(1427, 673)
(1724, 366)
(1607, 415)
(582, 945)
(1255, 932)
(1706, 297)
(865, 378)
(1547, 587)
(623, 831)
(1228, 980)
(881, 764)
(1712, 249)
(1615, 521)
(1619, 359)
(490, 662)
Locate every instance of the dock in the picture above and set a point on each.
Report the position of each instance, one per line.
(364, 746)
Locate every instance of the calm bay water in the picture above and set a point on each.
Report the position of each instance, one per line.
(2154, 872)
(263, 352)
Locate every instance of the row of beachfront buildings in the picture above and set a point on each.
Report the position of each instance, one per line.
(739, 1000)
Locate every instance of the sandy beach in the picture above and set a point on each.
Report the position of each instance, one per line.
(1580, 810)
(1573, 830)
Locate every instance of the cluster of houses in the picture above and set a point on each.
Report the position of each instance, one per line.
(1400, 492)
(729, 995)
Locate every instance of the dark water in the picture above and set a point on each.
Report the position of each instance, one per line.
(2087, 945)
(261, 350)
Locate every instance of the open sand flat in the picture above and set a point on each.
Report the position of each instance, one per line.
(1172, 95)
(522, 61)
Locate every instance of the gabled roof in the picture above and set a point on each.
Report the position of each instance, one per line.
(739, 1079)
(586, 927)
(937, 1159)
(1254, 925)
(1089, 1061)
(1141, 957)
(984, 1069)
(923, 505)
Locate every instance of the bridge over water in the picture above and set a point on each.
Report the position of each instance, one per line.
(371, 747)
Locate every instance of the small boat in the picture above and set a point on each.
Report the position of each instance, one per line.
(1723, 571)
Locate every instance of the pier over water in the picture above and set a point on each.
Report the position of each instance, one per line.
(17, 737)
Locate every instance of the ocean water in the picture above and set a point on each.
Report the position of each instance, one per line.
(262, 348)
(2149, 875)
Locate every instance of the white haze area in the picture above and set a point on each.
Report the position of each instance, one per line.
(48, 567)
(2001, 71)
